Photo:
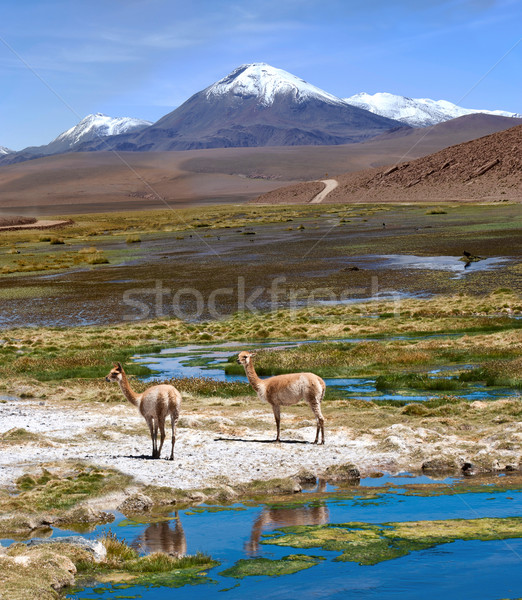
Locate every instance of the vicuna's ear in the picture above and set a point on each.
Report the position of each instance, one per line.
(252, 354)
(120, 368)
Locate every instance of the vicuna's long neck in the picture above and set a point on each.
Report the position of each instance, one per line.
(131, 396)
(253, 379)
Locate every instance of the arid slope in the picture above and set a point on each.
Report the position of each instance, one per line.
(485, 169)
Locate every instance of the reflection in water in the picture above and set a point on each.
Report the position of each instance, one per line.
(162, 537)
(274, 518)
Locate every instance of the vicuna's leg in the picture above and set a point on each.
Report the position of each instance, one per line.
(162, 435)
(320, 427)
(277, 415)
(173, 421)
(156, 453)
(152, 437)
(315, 405)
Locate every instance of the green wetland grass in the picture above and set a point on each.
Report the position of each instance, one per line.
(47, 569)
(59, 489)
(255, 567)
(400, 351)
(368, 544)
(506, 373)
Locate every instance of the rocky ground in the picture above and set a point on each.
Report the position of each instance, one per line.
(210, 445)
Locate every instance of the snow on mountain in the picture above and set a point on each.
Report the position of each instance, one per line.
(416, 112)
(4, 150)
(255, 105)
(99, 125)
(265, 82)
(91, 128)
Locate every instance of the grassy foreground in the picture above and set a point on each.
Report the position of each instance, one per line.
(472, 339)
(41, 572)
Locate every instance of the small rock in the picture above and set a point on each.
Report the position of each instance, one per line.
(393, 443)
(222, 493)
(352, 268)
(136, 503)
(190, 422)
(219, 420)
(346, 472)
(196, 496)
(441, 464)
(84, 514)
(469, 469)
(305, 476)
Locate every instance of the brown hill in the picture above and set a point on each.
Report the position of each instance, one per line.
(488, 168)
(99, 181)
(15, 221)
(461, 129)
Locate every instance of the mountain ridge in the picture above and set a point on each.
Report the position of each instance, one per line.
(92, 127)
(417, 112)
(255, 105)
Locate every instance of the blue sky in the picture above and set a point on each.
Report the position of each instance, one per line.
(63, 59)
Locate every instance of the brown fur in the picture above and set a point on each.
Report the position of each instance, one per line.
(154, 405)
(277, 517)
(285, 390)
(162, 537)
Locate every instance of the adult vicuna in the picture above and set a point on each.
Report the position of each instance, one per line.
(285, 390)
(154, 404)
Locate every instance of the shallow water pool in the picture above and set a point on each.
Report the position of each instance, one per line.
(461, 569)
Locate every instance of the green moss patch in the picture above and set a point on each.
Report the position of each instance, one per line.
(370, 544)
(19, 435)
(418, 381)
(123, 563)
(62, 489)
(506, 373)
(271, 568)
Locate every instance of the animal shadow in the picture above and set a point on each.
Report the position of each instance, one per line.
(223, 439)
(139, 457)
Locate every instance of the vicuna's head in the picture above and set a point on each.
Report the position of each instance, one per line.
(115, 373)
(245, 358)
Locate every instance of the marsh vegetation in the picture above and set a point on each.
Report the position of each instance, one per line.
(318, 256)
(464, 333)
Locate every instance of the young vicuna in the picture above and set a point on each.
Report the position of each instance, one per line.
(154, 404)
(285, 390)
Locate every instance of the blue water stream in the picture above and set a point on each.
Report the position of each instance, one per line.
(175, 363)
(461, 570)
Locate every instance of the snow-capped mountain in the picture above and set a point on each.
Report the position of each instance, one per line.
(416, 112)
(264, 83)
(93, 127)
(4, 150)
(256, 105)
